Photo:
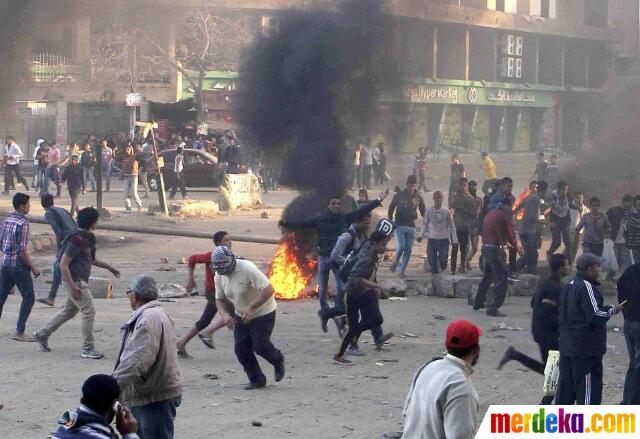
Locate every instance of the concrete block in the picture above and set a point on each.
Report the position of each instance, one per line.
(37, 245)
(395, 287)
(415, 288)
(526, 285)
(240, 191)
(101, 288)
(445, 285)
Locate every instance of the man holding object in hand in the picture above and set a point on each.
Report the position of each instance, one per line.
(242, 283)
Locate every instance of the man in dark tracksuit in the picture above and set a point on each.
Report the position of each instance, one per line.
(583, 335)
(329, 225)
(629, 290)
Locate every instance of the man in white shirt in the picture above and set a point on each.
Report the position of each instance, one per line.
(442, 401)
(12, 155)
(34, 182)
(240, 282)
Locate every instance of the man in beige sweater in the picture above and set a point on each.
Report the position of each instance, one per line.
(147, 367)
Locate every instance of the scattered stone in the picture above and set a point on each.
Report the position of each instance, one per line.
(238, 399)
(101, 288)
(265, 215)
(188, 208)
(256, 423)
(410, 335)
(502, 326)
(389, 360)
(377, 377)
(172, 291)
(438, 317)
(396, 298)
(379, 363)
(182, 261)
(164, 260)
(210, 376)
(166, 268)
(348, 427)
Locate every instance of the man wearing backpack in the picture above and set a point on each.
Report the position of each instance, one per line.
(329, 225)
(78, 256)
(63, 226)
(363, 310)
(345, 251)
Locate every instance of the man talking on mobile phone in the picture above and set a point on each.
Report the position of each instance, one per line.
(99, 406)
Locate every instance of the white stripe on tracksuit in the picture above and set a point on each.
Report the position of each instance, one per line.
(594, 303)
(587, 389)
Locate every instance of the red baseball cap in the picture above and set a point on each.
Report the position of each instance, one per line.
(462, 334)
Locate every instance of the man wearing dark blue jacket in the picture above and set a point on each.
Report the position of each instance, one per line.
(583, 335)
(329, 225)
(98, 408)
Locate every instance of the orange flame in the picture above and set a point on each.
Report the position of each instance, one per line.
(290, 272)
(523, 196)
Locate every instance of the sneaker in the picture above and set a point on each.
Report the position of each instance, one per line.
(279, 372)
(506, 357)
(43, 342)
(323, 322)
(91, 353)
(355, 352)
(182, 353)
(402, 276)
(495, 313)
(23, 337)
(392, 268)
(342, 361)
(380, 343)
(46, 301)
(208, 341)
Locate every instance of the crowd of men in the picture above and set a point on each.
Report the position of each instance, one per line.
(569, 317)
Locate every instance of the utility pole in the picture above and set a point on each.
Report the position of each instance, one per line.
(158, 162)
(97, 154)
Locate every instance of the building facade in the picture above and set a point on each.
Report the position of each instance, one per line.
(494, 75)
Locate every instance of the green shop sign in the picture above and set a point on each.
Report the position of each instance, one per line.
(473, 95)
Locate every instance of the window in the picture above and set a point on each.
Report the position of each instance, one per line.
(543, 8)
(511, 47)
(510, 6)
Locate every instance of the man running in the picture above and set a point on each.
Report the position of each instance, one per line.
(544, 320)
(329, 225)
(63, 226)
(17, 265)
(220, 238)
(363, 310)
(78, 256)
(240, 282)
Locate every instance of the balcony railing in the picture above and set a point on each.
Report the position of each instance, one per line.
(51, 67)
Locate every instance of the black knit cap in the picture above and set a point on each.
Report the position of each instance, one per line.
(99, 392)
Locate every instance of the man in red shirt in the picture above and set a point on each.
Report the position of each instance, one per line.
(497, 233)
(219, 238)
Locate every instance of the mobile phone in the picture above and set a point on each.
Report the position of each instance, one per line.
(624, 303)
(116, 407)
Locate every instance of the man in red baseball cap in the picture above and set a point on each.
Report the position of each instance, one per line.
(442, 402)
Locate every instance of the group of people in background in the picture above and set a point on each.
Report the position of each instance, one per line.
(369, 165)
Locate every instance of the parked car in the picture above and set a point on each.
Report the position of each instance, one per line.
(201, 169)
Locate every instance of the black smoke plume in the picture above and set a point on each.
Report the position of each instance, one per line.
(312, 87)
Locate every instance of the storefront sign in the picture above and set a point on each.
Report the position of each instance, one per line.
(455, 94)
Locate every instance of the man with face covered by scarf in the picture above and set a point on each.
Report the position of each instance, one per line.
(240, 282)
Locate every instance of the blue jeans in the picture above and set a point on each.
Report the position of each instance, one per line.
(106, 175)
(57, 280)
(155, 420)
(494, 270)
(21, 278)
(437, 254)
(43, 180)
(324, 267)
(405, 236)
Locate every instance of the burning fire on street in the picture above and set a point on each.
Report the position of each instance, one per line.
(291, 271)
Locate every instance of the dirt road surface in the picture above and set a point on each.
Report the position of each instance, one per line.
(317, 399)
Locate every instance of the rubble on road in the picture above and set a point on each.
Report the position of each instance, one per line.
(172, 291)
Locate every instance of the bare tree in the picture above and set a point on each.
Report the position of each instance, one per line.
(205, 39)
